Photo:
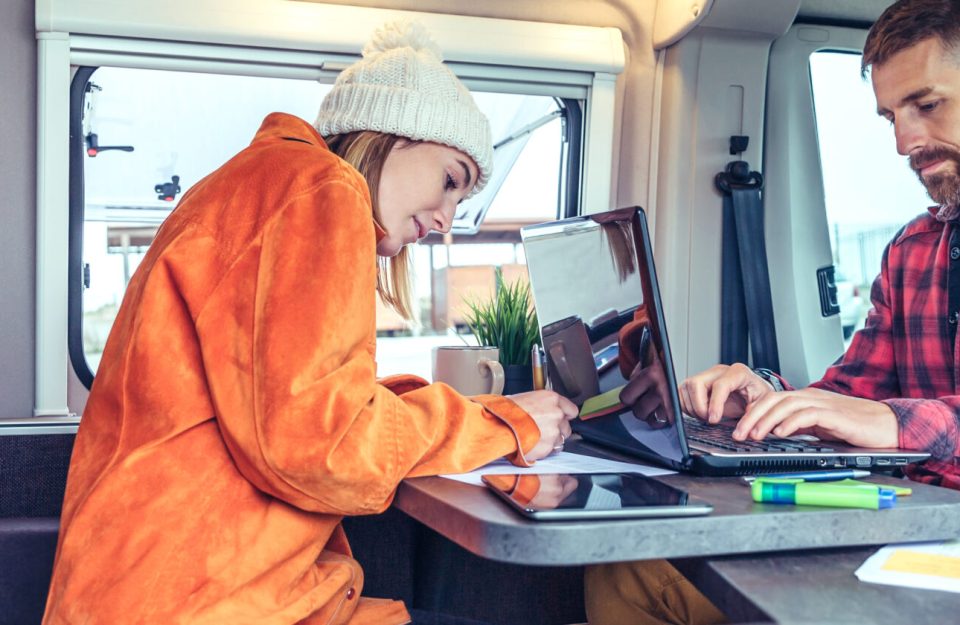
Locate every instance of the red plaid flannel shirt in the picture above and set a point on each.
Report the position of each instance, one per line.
(906, 355)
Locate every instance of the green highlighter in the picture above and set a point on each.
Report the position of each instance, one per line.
(768, 490)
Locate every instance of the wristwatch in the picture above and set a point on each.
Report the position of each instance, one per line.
(770, 378)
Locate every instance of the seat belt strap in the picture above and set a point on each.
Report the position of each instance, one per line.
(733, 311)
(742, 191)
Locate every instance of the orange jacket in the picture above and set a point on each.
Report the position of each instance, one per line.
(236, 416)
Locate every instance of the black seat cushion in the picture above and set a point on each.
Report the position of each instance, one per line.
(28, 546)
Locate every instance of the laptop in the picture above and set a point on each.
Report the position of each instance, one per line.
(595, 290)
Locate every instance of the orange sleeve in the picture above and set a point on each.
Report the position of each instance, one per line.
(525, 431)
(629, 340)
(289, 343)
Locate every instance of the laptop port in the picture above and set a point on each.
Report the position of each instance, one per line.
(900, 461)
(863, 461)
(883, 461)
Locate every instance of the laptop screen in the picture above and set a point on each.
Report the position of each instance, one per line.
(601, 324)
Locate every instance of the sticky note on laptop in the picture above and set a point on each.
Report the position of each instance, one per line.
(602, 404)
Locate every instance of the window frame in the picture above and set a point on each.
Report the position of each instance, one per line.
(280, 40)
(807, 341)
(571, 158)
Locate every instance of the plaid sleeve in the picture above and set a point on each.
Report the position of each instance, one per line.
(930, 425)
(899, 357)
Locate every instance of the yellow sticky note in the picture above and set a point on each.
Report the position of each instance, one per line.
(907, 561)
(603, 404)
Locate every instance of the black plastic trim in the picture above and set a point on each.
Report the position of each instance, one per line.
(78, 358)
(808, 20)
(573, 114)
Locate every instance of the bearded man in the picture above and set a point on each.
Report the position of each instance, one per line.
(897, 385)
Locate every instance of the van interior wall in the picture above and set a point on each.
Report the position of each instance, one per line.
(18, 127)
(714, 84)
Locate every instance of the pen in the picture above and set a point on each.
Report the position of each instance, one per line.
(536, 364)
(901, 491)
(814, 476)
(831, 495)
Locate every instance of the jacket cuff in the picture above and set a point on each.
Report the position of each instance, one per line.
(526, 488)
(403, 383)
(524, 428)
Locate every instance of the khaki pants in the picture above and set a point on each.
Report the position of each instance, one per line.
(650, 592)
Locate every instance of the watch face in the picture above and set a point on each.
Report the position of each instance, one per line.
(770, 377)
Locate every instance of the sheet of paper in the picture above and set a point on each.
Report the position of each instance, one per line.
(561, 462)
(934, 566)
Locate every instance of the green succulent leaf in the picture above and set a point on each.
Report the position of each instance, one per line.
(506, 320)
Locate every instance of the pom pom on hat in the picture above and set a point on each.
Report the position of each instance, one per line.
(401, 34)
(402, 87)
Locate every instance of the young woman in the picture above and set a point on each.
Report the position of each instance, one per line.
(236, 416)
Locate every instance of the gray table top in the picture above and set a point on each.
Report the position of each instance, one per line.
(475, 519)
(818, 587)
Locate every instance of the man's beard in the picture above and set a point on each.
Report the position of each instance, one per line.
(944, 187)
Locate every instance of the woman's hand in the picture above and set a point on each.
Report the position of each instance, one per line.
(647, 394)
(554, 489)
(552, 413)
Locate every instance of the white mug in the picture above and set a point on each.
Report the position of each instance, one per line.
(468, 369)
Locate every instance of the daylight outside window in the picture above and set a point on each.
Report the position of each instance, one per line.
(182, 126)
(870, 191)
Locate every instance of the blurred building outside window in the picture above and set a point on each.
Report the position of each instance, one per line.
(187, 124)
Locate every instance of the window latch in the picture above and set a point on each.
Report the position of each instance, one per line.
(94, 147)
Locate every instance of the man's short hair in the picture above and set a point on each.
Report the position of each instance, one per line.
(908, 22)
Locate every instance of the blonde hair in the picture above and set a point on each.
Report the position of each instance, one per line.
(367, 151)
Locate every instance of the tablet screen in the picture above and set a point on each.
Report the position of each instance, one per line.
(592, 495)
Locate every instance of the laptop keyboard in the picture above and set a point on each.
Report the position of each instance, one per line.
(722, 436)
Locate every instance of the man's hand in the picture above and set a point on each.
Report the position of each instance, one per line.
(831, 416)
(722, 392)
(552, 413)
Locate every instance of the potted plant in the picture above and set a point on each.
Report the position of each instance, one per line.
(508, 321)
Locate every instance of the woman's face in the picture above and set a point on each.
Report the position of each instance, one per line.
(420, 187)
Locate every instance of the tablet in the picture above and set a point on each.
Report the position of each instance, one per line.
(574, 497)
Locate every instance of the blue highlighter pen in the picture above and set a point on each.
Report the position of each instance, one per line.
(814, 476)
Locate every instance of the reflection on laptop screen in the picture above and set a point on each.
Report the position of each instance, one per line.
(598, 309)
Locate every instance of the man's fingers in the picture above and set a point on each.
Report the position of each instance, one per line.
(754, 412)
(801, 420)
(720, 392)
(699, 398)
(697, 388)
(769, 413)
(686, 405)
(775, 416)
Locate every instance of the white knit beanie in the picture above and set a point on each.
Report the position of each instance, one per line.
(402, 87)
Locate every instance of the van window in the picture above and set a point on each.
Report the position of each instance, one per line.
(149, 135)
(870, 191)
